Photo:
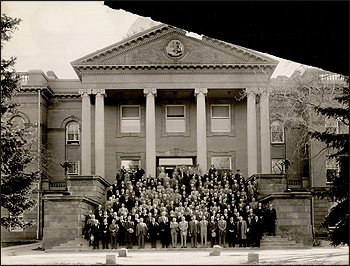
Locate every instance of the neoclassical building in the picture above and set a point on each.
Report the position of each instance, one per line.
(159, 98)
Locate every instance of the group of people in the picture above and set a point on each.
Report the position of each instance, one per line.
(188, 207)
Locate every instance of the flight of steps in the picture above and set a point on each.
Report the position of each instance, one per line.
(76, 245)
(278, 242)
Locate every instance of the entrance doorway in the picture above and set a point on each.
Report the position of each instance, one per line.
(168, 164)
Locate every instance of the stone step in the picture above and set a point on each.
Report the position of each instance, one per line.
(79, 241)
(277, 242)
(64, 247)
(271, 237)
(71, 245)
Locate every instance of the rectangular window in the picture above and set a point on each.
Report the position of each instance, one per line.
(332, 125)
(278, 166)
(277, 132)
(130, 163)
(130, 121)
(74, 169)
(221, 163)
(175, 118)
(220, 118)
(332, 169)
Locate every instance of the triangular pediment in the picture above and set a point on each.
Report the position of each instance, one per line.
(165, 45)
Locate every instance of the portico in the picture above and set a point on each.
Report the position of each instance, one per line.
(150, 100)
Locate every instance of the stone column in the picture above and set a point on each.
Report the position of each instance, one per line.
(99, 132)
(251, 134)
(85, 132)
(150, 131)
(202, 158)
(265, 133)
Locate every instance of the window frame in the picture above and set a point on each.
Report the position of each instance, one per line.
(131, 158)
(72, 142)
(175, 118)
(212, 162)
(329, 124)
(17, 228)
(228, 118)
(271, 132)
(138, 119)
(333, 167)
(272, 165)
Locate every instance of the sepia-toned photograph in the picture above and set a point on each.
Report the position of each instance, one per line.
(129, 139)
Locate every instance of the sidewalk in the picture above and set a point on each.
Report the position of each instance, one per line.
(30, 254)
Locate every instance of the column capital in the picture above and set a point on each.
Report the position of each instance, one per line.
(99, 91)
(149, 91)
(264, 93)
(198, 91)
(251, 91)
(85, 92)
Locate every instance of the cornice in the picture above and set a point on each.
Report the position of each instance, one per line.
(36, 88)
(66, 96)
(178, 69)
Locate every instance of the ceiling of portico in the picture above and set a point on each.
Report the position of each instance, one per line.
(166, 49)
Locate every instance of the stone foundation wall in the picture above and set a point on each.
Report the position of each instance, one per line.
(293, 211)
(64, 218)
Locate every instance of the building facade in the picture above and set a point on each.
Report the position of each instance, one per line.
(159, 99)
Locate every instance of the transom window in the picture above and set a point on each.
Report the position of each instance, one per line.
(221, 163)
(74, 169)
(130, 119)
(220, 118)
(72, 133)
(277, 132)
(175, 118)
(130, 163)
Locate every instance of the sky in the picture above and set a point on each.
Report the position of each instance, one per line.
(53, 34)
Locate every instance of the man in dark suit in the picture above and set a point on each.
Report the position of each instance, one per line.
(212, 170)
(153, 230)
(193, 231)
(255, 231)
(271, 219)
(231, 232)
(139, 173)
(129, 232)
(212, 229)
(238, 175)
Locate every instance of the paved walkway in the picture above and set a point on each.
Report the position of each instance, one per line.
(27, 254)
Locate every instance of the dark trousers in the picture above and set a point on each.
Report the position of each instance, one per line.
(231, 239)
(194, 240)
(105, 240)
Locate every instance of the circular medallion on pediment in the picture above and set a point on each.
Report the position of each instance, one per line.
(175, 48)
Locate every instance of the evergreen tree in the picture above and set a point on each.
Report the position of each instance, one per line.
(17, 154)
(338, 143)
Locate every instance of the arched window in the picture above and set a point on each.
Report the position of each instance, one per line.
(72, 133)
(18, 121)
(277, 132)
